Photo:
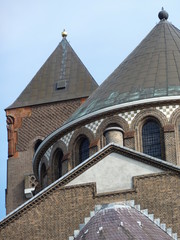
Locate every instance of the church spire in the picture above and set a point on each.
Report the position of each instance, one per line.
(62, 77)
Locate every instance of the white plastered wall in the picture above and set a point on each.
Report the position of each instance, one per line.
(114, 173)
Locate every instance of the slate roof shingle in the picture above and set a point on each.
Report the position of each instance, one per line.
(152, 70)
(62, 77)
(121, 222)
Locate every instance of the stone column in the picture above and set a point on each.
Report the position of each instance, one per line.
(114, 135)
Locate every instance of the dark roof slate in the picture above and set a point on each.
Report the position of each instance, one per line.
(152, 70)
(63, 69)
(121, 222)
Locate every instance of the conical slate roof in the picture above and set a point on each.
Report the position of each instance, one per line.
(121, 222)
(62, 77)
(152, 70)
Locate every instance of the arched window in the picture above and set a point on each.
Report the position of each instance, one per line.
(152, 140)
(43, 176)
(57, 164)
(37, 143)
(83, 149)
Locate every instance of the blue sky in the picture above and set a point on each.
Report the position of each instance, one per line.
(101, 32)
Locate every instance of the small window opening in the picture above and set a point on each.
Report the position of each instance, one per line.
(61, 84)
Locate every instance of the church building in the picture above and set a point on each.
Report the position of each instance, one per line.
(98, 162)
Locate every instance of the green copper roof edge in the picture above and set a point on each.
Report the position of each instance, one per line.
(54, 134)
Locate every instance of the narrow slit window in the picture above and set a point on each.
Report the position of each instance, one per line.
(44, 180)
(84, 149)
(57, 164)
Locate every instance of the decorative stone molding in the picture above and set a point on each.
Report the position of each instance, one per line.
(14, 126)
(33, 141)
(58, 146)
(80, 132)
(169, 128)
(48, 153)
(66, 139)
(146, 113)
(94, 125)
(175, 116)
(11, 136)
(167, 110)
(129, 134)
(116, 119)
(129, 116)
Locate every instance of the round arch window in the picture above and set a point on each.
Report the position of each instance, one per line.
(152, 140)
(83, 149)
(57, 164)
(37, 143)
(44, 180)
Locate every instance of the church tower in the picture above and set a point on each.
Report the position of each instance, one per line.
(106, 169)
(60, 86)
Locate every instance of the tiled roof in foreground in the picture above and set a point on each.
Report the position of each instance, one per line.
(62, 77)
(121, 222)
(151, 71)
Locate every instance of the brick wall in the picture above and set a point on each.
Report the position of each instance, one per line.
(170, 147)
(30, 123)
(44, 120)
(17, 169)
(58, 214)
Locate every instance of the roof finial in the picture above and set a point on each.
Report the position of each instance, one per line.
(163, 15)
(64, 34)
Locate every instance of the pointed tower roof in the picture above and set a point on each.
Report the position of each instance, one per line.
(62, 77)
(152, 70)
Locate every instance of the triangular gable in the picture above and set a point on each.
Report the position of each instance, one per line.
(114, 172)
(109, 150)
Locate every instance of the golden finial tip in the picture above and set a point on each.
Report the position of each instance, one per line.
(64, 33)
